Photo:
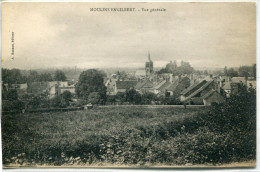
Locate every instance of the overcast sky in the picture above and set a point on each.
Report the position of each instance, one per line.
(69, 34)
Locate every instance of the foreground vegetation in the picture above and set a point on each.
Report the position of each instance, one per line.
(133, 135)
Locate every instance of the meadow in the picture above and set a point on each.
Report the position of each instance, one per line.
(122, 136)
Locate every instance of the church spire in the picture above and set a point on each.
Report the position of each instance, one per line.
(149, 56)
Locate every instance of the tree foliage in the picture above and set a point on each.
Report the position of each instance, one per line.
(91, 80)
(12, 76)
(184, 68)
(59, 76)
(94, 98)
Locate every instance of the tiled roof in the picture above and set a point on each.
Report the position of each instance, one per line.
(125, 84)
(193, 88)
(173, 85)
(139, 85)
(148, 84)
(209, 94)
(158, 85)
(199, 90)
(164, 86)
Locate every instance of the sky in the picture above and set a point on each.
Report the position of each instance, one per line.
(47, 35)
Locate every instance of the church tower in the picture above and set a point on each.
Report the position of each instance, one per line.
(149, 66)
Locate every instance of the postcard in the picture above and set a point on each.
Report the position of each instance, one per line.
(128, 84)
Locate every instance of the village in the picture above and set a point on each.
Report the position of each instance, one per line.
(171, 85)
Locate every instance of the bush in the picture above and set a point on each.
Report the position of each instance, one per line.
(15, 105)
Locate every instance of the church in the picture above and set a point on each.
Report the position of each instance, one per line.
(147, 72)
(149, 67)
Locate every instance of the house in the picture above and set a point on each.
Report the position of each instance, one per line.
(144, 86)
(157, 85)
(251, 84)
(191, 89)
(227, 88)
(194, 94)
(212, 97)
(178, 86)
(37, 88)
(240, 80)
(162, 89)
(21, 89)
(122, 86)
(70, 88)
(111, 86)
(58, 87)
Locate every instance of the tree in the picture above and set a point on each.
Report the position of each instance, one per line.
(184, 68)
(91, 80)
(171, 67)
(12, 76)
(35, 102)
(56, 101)
(45, 77)
(132, 96)
(59, 76)
(232, 73)
(33, 76)
(12, 95)
(254, 70)
(148, 97)
(66, 95)
(111, 99)
(94, 98)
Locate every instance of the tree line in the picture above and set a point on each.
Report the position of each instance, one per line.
(172, 67)
(16, 76)
(243, 71)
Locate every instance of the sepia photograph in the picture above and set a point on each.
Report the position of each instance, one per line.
(128, 84)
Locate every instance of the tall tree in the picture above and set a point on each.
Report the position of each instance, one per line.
(33, 76)
(91, 80)
(59, 76)
(45, 77)
(13, 76)
(132, 96)
(94, 98)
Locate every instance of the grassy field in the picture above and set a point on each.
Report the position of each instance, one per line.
(124, 135)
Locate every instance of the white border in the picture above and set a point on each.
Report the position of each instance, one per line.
(257, 169)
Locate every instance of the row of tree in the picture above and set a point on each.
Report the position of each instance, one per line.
(16, 76)
(11, 101)
(243, 71)
(172, 67)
